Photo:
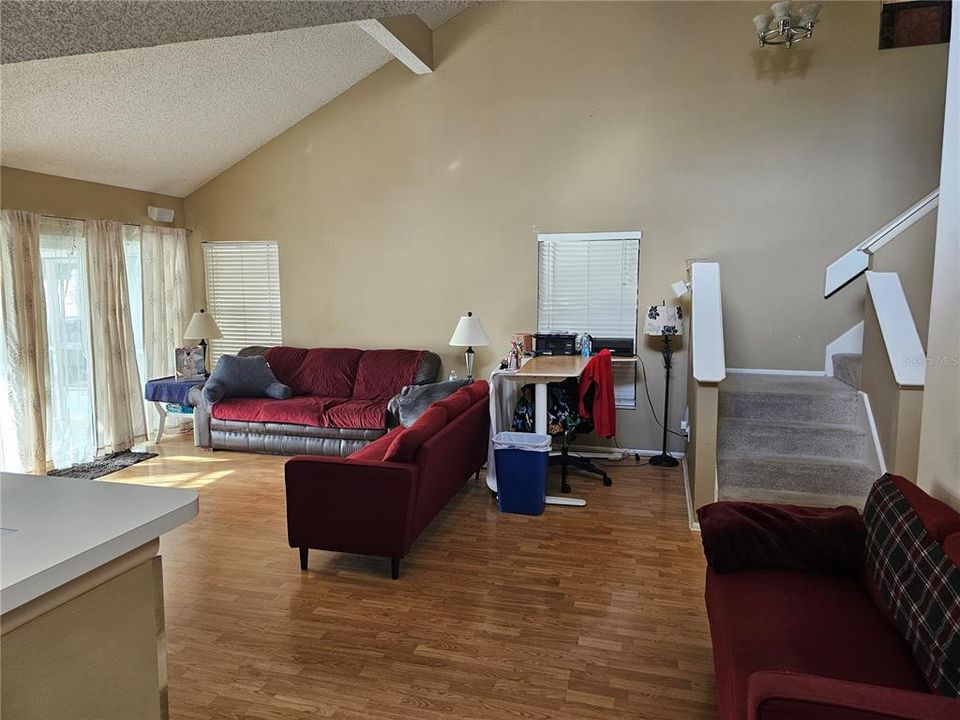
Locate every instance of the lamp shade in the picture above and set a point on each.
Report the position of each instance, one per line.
(202, 327)
(469, 332)
(664, 320)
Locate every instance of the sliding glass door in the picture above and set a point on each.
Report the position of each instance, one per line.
(63, 255)
(64, 266)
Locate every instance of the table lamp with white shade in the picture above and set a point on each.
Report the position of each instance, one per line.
(202, 327)
(469, 332)
(665, 321)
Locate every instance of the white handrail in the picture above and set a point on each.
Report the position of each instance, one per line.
(855, 262)
(706, 323)
(904, 350)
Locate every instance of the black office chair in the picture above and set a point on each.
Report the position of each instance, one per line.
(568, 435)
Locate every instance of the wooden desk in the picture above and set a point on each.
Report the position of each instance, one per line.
(542, 370)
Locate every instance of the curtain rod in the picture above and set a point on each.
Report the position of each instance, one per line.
(139, 225)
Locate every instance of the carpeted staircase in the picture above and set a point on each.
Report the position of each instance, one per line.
(795, 439)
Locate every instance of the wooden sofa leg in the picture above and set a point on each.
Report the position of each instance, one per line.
(303, 558)
(394, 568)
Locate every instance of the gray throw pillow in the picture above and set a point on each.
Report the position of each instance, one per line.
(414, 400)
(249, 377)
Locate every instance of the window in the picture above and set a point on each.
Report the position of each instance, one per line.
(243, 294)
(63, 258)
(588, 282)
(134, 267)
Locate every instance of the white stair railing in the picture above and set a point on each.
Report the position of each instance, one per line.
(857, 261)
(904, 350)
(709, 363)
(709, 369)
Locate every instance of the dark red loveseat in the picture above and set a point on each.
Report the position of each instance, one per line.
(814, 613)
(378, 500)
(339, 402)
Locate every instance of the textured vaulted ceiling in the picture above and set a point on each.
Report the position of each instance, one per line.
(168, 118)
(37, 29)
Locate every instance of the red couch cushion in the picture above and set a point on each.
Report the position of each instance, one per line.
(285, 361)
(456, 404)
(758, 536)
(365, 414)
(478, 390)
(326, 372)
(375, 451)
(800, 622)
(303, 410)
(938, 518)
(404, 447)
(383, 373)
(951, 546)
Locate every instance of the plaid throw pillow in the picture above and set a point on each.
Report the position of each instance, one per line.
(919, 582)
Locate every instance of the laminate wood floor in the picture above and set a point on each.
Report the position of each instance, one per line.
(585, 613)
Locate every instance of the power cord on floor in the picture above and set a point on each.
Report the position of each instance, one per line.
(646, 389)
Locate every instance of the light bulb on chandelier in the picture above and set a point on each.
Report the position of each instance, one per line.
(782, 27)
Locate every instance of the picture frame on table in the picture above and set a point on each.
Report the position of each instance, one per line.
(190, 363)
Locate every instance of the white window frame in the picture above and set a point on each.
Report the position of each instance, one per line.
(625, 374)
(230, 343)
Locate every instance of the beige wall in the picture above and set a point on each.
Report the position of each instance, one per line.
(411, 199)
(911, 256)
(939, 471)
(701, 451)
(52, 195)
(896, 410)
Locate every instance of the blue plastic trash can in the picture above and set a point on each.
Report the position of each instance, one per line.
(522, 460)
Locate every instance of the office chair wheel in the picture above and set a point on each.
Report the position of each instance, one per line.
(607, 481)
(565, 488)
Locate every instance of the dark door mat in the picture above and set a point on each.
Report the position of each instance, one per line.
(103, 465)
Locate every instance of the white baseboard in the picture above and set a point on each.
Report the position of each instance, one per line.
(850, 342)
(765, 371)
(691, 516)
(878, 449)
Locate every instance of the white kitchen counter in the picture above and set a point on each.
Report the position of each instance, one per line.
(56, 529)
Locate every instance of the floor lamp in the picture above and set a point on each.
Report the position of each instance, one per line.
(665, 321)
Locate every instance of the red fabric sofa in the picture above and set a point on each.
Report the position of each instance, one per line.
(378, 500)
(339, 402)
(819, 643)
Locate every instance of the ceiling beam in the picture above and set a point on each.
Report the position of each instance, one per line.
(38, 29)
(407, 38)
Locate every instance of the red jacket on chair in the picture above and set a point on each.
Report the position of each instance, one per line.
(598, 374)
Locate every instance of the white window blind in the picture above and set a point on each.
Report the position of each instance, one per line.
(589, 282)
(243, 294)
(588, 286)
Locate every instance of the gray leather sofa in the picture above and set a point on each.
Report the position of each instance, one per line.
(290, 439)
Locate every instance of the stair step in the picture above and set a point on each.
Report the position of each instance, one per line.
(847, 368)
(795, 384)
(786, 497)
(789, 398)
(803, 407)
(739, 436)
(768, 476)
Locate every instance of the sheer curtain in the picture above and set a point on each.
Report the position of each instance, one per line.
(63, 260)
(23, 355)
(118, 404)
(167, 303)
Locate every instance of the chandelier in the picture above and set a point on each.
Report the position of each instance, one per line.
(782, 28)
